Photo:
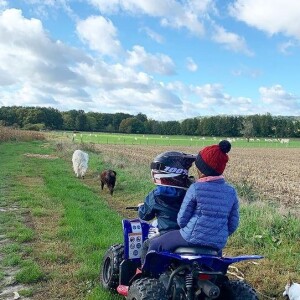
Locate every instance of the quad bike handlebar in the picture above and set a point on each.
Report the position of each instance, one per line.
(135, 208)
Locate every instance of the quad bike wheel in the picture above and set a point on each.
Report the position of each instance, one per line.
(237, 290)
(147, 288)
(109, 274)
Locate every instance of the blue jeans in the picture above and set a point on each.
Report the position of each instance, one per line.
(172, 240)
(168, 242)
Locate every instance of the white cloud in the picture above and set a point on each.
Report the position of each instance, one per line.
(202, 7)
(32, 62)
(210, 99)
(120, 88)
(192, 15)
(156, 102)
(153, 35)
(230, 40)
(246, 72)
(286, 47)
(101, 75)
(100, 34)
(105, 6)
(211, 94)
(191, 65)
(27, 95)
(39, 71)
(5, 78)
(153, 63)
(270, 16)
(3, 4)
(46, 8)
(280, 100)
(171, 12)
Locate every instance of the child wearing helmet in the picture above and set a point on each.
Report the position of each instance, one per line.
(209, 213)
(169, 171)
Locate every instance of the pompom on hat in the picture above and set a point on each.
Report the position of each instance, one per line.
(212, 160)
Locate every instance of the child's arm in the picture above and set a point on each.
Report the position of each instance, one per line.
(187, 207)
(146, 211)
(233, 220)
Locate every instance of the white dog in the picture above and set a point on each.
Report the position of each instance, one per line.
(80, 163)
(292, 290)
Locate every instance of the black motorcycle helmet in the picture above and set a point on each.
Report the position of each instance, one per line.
(172, 169)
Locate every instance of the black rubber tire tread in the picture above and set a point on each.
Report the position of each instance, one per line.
(147, 289)
(109, 273)
(237, 290)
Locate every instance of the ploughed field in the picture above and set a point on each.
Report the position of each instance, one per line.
(273, 173)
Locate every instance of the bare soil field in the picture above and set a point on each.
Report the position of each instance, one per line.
(273, 173)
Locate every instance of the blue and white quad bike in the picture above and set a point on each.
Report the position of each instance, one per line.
(185, 274)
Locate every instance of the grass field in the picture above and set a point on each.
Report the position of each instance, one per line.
(55, 228)
(180, 140)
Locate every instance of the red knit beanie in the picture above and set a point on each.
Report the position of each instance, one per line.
(211, 161)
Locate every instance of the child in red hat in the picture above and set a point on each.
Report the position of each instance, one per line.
(209, 213)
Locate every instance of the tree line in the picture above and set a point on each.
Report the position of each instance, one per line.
(44, 118)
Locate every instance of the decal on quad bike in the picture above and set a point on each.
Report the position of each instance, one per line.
(136, 227)
(135, 245)
(135, 240)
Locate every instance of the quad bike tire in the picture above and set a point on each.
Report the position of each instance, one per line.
(109, 273)
(147, 289)
(237, 290)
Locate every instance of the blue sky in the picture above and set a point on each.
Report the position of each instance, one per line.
(168, 59)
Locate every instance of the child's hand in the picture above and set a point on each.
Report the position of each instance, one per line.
(140, 204)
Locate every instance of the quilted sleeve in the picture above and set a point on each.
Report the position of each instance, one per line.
(187, 207)
(233, 221)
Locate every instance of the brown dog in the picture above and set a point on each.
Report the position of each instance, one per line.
(108, 177)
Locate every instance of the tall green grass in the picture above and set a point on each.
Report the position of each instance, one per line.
(87, 223)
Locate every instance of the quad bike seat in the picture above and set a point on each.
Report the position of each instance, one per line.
(196, 250)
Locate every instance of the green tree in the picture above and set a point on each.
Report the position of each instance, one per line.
(141, 117)
(267, 125)
(207, 127)
(81, 121)
(103, 120)
(69, 118)
(170, 128)
(8, 116)
(247, 129)
(152, 126)
(35, 115)
(68, 121)
(132, 125)
(189, 126)
(117, 119)
(91, 123)
(296, 125)
(53, 118)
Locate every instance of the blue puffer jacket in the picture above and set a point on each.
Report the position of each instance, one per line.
(163, 203)
(209, 213)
